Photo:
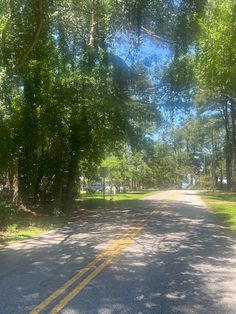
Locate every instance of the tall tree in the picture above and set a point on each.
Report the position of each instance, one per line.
(69, 96)
(216, 64)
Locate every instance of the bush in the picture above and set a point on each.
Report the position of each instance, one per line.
(7, 212)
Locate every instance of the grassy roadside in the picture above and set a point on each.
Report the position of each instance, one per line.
(135, 195)
(15, 225)
(223, 204)
(97, 201)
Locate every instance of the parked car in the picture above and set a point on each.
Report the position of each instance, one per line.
(95, 187)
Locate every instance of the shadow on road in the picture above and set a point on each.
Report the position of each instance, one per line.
(184, 261)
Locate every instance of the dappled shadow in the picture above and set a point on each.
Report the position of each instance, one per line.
(35, 267)
(182, 262)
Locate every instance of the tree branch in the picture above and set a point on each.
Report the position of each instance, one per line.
(156, 37)
(230, 97)
(26, 54)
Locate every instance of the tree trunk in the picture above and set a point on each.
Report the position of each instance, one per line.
(15, 187)
(70, 187)
(19, 195)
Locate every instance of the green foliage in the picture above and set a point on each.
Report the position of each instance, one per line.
(57, 212)
(7, 212)
(215, 65)
(179, 75)
(66, 98)
(216, 50)
(191, 152)
(129, 169)
(168, 166)
(12, 228)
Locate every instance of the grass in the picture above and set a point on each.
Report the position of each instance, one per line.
(15, 225)
(134, 195)
(223, 204)
(98, 201)
(12, 235)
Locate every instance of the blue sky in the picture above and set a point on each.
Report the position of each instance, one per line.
(153, 55)
(141, 50)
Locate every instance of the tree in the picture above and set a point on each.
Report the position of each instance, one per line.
(129, 169)
(68, 93)
(215, 67)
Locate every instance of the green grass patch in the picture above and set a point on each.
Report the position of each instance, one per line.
(134, 195)
(23, 228)
(219, 196)
(223, 204)
(16, 225)
(97, 201)
(14, 234)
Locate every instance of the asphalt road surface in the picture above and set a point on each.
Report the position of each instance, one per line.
(166, 254)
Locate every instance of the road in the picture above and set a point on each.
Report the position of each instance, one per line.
(166, 254)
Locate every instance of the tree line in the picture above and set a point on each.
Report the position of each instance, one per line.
(67, 100)
(65, 96)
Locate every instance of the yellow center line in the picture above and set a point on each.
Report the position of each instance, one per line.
(91, 276)
(121, 242)
(82, 271)
(78, 275)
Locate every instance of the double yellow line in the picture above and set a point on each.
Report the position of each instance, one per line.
(110, 253)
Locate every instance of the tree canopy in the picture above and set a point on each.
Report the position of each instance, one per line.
(68, 100)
